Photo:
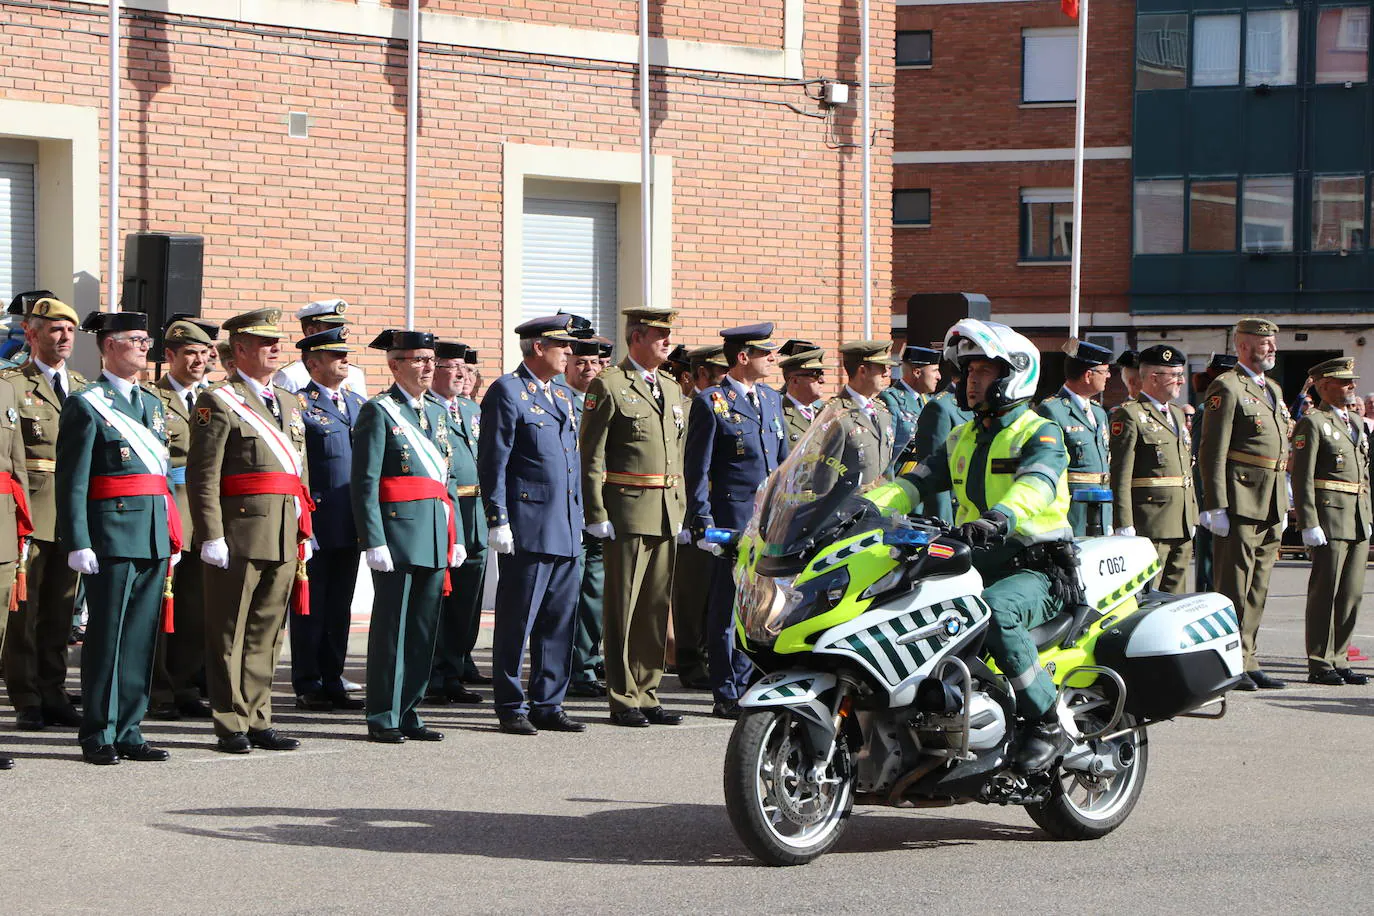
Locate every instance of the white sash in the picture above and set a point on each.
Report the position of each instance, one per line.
(150, 451)
(276, 440)
(431, 460)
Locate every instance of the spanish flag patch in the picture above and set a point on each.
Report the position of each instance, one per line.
(1047, 439)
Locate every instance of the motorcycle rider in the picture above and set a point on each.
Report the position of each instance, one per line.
(1008, 469)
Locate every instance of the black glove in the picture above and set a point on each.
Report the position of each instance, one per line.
(985, 531)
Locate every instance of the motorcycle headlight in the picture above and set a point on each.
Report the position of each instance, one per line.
(767, 605)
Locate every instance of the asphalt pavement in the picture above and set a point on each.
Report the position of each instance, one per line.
(1265, 811)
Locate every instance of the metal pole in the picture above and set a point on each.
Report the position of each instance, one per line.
(1076, 269)
(112, 206)
(412, 130)
(867, 146)
(646, 208)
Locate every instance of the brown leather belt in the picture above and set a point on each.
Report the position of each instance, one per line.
(644, 481)
(1269, 464)
(42, 465)
(469, 490)
(1088, 477)
(1160, 482)
(1339, 486)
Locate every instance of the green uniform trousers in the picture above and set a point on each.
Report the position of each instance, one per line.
(1241, 565)
(179, 661)
(460, 620)
(125, 602)
(245, 616)
(588, 630)
(1333, 601)
(691, 588)
(1202, 556)
(1174, 557)
(1020, 602)
(400, 644)
(36, 648)
(639, 581)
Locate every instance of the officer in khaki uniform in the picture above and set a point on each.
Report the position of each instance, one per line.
(803, 374)
(36, 647)
(1152, 466)
(1084, 423)
(634, 421)
(1330, 474)
(249, 489)
(1242, 455)
(869, 428)
(15, 523)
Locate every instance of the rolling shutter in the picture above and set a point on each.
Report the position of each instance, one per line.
(18, 251)
(570, 260)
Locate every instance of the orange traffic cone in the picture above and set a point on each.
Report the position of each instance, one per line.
(1353, 654)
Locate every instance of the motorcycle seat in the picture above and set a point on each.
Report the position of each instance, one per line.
(1052, 631)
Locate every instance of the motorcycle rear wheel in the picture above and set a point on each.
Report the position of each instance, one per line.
(1083, 807)
(783, 817)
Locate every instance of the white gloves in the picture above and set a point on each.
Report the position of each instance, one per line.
(175, 559)
(458, 555)
(1313, 537)
(502, 541)
(379, 559)
(1126, 532)
(1215, 521)
(309, 549)
(601, 530)
(215, 553)
(684, 536)
(84, 561)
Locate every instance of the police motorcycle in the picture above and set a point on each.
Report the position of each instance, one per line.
(869, 626)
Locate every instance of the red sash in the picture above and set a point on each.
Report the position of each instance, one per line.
(413, 489)
(23, 524)
(115, 486)
(280, 483)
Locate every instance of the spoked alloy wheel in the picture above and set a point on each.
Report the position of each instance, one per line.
(786, 813)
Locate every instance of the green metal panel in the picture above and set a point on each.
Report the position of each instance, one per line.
(1161, 138)
(1271, 131)
(1338, 132)
(1214, 131)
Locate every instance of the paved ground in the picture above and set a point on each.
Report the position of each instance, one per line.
(1266, 811)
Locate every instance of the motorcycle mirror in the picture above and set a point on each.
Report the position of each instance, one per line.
(1092, 495)
(905, 537)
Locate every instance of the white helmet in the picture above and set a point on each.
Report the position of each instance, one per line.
(971, 338)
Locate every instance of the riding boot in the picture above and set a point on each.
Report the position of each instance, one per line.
(1043, 742)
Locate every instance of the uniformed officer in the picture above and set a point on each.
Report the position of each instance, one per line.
(404, 509)
(1242, 456)
(15, 523)
(633, 428)
(460, 615)
(249, 488)
(588, 664)
(1330, 474)
(15, 347)
(531, 485)
(1130, 372)
(735, 439)
(679, 366)
(1152, 466)
(708, 366)
(803, 376)
(116, 514)
(319, 640)
(937, 420)
(1202, 538)
(869, 428)
(179, 661)
(1084, 422)
(907, 396)
(323, 315)
(36, 644)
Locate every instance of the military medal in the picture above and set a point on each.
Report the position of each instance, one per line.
(124, 453)
(524, 397)
(677, 415)
(13, 415)
(476, 426)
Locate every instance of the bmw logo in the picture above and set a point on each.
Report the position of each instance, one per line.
(952, 626)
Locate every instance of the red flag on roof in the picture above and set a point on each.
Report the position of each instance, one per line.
(1070, 8)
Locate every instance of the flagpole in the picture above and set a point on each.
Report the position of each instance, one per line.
(1080, 106)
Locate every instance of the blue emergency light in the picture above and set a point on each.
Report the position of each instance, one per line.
(1092, 495)
(722, 536)
(906, 537)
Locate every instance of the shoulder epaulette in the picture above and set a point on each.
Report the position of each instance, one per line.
(11, 371)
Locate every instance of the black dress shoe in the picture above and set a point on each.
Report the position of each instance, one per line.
(1265, 682)
(237, 743)
(436, 698)
(30, 719)
(462, 695)
(6, 762)
(1245, 683)
(695, 682)
(62, 715)
(269, 739)
(629, 718)
(1351, 676)
(556, 720)
(195, 709)
(342, 700)
(480, 680)
(386, 735)
(518, 725)
(100, 754)
(144, 753)
(78, 634)
(314, 702)
(164, 712)
(586, 689)
(1327, 678)
(726, 709)
(422, 734)
(657, 715)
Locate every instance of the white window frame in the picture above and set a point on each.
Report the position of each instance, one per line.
(1040, 48)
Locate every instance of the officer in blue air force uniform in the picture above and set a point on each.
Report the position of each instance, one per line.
(531, 479)
(1084, 422)
(319, 640)
(907, 396)
(735, 439)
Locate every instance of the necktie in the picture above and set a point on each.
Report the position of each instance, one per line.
(272, 407)
(340, 404)
(653, 387)
(190, 400)
(57, 387)
(753, 398)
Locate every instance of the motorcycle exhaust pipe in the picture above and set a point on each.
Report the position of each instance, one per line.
(934, 695)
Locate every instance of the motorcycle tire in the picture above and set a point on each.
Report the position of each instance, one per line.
(780, 818)
(1083, 807)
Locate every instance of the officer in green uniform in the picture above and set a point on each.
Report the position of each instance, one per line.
(588, 665)
(907, 397)
(1084, 423)
(1130, 372)
(634, 420)
(1330, 474)
(1009, 472)
(803, 375)
(404, 508)
(1152, 466)
(36, 644)
(1202, 538)
(179, 662)
(937, 420)
(116, 515)
(1242, 457)
(15, 523)
(869, 427)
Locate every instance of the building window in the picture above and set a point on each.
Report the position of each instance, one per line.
(1158, 217)
(1216, 50)
(569, 251)
(1342, 45)
(1049, 65)
(1338, 213)
(913, 49)
(1212, 215)
(911, 207)
(1267, 214)
(1046, 224)
(1161, 52)
(1271, 48)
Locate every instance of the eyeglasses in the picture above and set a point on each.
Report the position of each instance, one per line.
(419, 362)
(142, 343)
(1100, 370)
(448, 367)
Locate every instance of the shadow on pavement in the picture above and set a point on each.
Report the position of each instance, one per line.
(1345, 706)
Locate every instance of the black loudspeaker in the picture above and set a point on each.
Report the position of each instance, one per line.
(162, 275)
(930, 315)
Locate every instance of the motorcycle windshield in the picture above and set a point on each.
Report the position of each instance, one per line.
(809, 492)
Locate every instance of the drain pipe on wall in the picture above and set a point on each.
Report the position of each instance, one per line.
(412, 131)
(646, 208)
(867, 146)
(112, 230)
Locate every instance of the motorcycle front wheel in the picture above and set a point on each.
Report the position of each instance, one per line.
(785, 813)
